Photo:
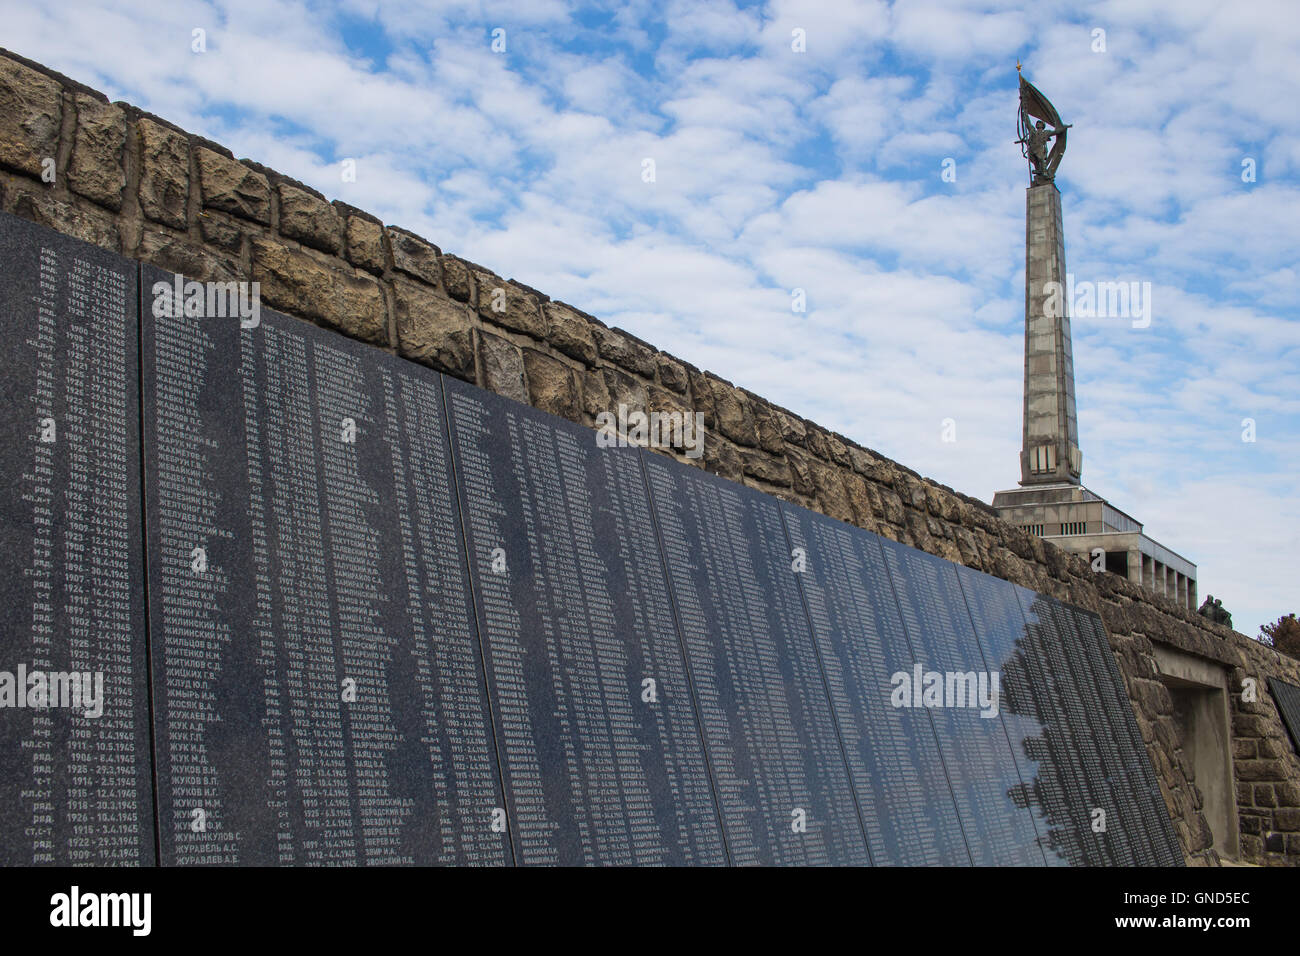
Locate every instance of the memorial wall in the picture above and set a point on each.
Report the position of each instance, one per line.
(136, 185)
(325, 606)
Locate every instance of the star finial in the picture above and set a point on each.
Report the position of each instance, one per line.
(1017, 64)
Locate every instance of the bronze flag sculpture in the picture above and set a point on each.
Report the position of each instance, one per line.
(1039, 123)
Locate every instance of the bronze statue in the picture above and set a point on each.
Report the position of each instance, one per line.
(1221, 615)
(1213, 608)
(1034, 106)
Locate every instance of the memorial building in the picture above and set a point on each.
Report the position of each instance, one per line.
(1051, 501)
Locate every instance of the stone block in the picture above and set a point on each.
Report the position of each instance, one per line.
(702, 396)
(735, 418)
(568, 331)
(664, 401)
(918, 531)
(860, 500)
(414, 256)
(232, 187)
(891, 506)
(309, 219)
(619, 348)
(552, 385)
(793, 429)
(832, 499)
(912, 491)
(672, 374)
(308, 285)
(801, 477)
(765, 468)
(365, 244)
(1287, 819)
(1253, 770)
(177, 254)
(595, 393)
(1273, 747)
(502, 365)
(31, 114)
(509, 305)
(434, 330)
(457, 278)
(722, 458)
(1287, 793)
(626, 390)
(218, 230)
(767, 427)
(80, 219)
(96, 169)
(164, 188)
(1248, 725)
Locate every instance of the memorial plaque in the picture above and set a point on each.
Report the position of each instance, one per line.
(318, 683)
(955, 686)
(1287, 698)
(1120, 737)
(774, 752)
(1057, 783)
(75, 783)
(1102, 783)
(902, 791)
(600, 745)
(1125, 833)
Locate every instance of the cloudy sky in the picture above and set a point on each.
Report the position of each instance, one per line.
(803, 146)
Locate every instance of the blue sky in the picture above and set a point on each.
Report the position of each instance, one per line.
(821, 170)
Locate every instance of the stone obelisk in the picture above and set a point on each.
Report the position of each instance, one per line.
(1050, 449)
(1051, 501)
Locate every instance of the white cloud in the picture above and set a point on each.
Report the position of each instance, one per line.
(820, 170)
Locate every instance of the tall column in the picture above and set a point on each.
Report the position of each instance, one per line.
(1050, 448)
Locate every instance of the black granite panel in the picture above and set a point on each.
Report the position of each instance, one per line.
(773, 745)
(600, 745)
(952, 681)
(318, 682)
(1145, 826)
(1287, 698)
(902, 790)
(75, 782)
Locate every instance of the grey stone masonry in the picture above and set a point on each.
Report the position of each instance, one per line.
(1050, 452)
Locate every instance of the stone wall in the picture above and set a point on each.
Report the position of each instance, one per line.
(134, 183)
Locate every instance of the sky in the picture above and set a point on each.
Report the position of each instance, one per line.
(680, 169)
